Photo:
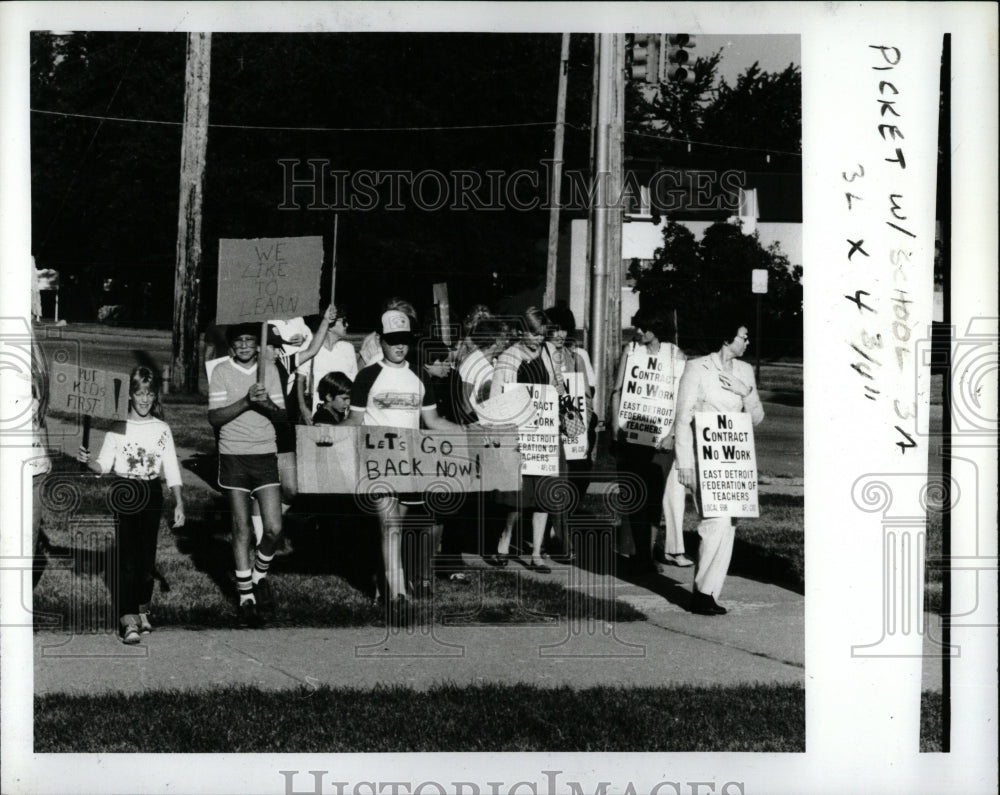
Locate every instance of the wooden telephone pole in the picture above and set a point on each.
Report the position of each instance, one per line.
(187, 274)
(557, 164)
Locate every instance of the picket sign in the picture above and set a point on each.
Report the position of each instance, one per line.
(88, 391)
(538, 428)
(727, 464)
(370, 458)
(575, 447)
(268, 279)
(649, 394)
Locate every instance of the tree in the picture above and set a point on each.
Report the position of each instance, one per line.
(762, 111)
(712, 277)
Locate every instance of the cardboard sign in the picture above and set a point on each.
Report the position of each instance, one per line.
(575, 447)
(326, 459)
(727, 464)
(268, 279)
(345, 460)
(538, 433)
(90, 392)
(649, 392)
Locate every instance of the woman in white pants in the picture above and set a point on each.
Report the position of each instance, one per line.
(717, 382)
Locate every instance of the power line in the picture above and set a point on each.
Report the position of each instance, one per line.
(300, 129)
(434, 128)
(712, 145)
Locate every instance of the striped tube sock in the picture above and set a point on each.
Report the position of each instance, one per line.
(260, 566)
(244, 586)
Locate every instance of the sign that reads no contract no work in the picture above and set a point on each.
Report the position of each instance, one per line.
(727, 464)
(268, 278)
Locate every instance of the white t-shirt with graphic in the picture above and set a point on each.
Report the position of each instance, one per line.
(392, 395)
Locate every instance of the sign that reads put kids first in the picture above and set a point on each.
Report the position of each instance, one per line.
(727, 464)
(89, 392)
(274, 278)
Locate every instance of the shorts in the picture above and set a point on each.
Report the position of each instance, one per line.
(248, 473)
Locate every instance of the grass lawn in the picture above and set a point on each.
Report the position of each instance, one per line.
(494, 718)
(770, 548)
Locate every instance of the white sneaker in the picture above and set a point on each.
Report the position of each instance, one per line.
(130, 630)
(144, 626)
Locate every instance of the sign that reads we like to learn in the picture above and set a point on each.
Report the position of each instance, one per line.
(264, 279)
(727, 464)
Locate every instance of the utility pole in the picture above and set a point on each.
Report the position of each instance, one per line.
(585, 321)
(557, 164)
(616, 183)
(599, 282)
(187, 274)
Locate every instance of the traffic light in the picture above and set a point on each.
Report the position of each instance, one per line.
(642, 57)
(679, 61)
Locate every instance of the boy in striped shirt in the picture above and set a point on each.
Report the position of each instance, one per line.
(244, 412)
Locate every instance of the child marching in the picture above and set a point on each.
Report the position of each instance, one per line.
(245, 414)
(137, 452)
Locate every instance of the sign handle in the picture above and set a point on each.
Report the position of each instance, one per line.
(333, 262)
(86, 438)
(261, 352)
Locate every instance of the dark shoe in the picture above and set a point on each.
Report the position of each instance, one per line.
(705, 605)
(541, 568)
(497, 560)
(424, 590)
(246, 615)
(265, 600)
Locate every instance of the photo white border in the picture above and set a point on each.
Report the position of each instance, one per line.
(840, 757)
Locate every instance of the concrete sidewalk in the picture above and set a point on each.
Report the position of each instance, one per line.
(760, 640)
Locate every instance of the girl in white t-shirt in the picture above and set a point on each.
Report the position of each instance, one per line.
(137, 452)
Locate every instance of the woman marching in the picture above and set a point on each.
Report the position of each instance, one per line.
(651, 460)
(522, 363)
(717, 382)
(137, 452)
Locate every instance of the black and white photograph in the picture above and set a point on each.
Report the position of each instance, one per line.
(498, 398)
